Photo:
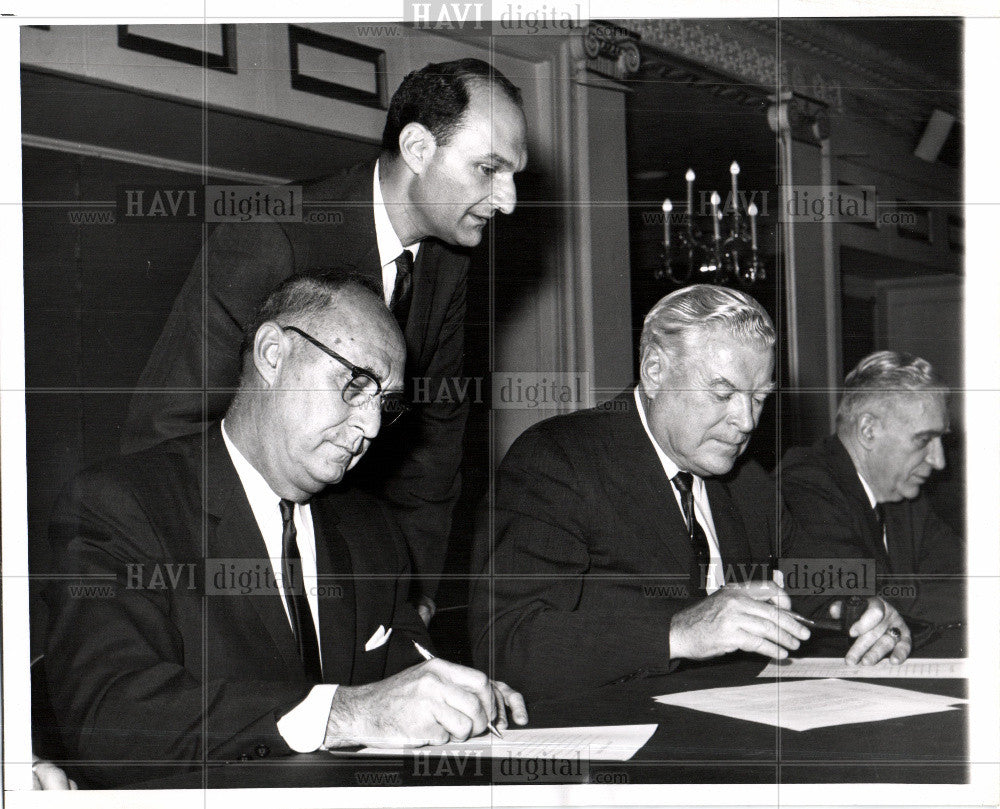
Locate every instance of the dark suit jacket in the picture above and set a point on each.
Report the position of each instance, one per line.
(198, 351)
(171, 663)
(590, 554)
(822, 490)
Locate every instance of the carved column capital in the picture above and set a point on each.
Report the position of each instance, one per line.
(804, 118)
(607, 49)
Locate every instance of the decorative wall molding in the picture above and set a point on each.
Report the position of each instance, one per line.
(148, 160)
(671, 70)
(876, 66)
(611, 50)
(750, 56)
(816, 62)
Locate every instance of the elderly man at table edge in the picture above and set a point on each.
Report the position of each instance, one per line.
(595, 571)
(857, 494)
(178, 666)
(454, 137)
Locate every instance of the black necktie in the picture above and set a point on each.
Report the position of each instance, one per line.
(295, 595)
(696, 535)
(399, 303)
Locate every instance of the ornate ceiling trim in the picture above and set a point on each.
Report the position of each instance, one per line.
(815, 62)
(749, 55)
(672, 71)
(861, 57)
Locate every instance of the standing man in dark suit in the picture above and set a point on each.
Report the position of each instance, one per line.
(627, 537)
(453, 140)
(856, 494)
(253, 607)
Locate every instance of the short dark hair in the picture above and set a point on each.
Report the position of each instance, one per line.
(303, 295)
(436, 96)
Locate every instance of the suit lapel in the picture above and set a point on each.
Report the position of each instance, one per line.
(643, 477)
(338, 615)
(847, 476)
(233, 534)
(897, 528)
(647, 483)
(731, 531)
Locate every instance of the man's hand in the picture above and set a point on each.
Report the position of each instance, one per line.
(879, 631)
(46, 775)
(754, 617)
(431, 703)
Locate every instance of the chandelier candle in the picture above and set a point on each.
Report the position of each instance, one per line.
(734, 169)
(716, 199)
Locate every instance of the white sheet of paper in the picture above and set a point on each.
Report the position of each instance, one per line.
(926, 667)
(808, 704)
(598, 743)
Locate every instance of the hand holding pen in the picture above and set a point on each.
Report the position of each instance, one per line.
(435, 702)
(878, 627)
(503, 694)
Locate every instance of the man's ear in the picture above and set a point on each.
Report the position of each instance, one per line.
(416, 146)
(653, 370)
(270, 349)
(867, 430)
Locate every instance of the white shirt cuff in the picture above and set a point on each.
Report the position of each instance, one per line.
(304, 727)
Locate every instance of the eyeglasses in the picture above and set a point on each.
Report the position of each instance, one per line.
(363, 386)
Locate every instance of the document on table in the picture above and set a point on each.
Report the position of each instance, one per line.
(808, 704)
(927, 667)
(598, 743)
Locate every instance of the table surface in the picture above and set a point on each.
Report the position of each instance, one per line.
(687, 747)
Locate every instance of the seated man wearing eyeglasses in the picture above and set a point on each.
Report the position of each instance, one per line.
(254, 604)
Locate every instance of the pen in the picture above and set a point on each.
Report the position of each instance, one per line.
(428, 656)
(820, 623)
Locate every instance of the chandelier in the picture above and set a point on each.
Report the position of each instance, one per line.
(690, 256)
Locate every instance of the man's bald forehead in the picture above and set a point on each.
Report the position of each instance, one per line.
(354, 311)
(359, 304)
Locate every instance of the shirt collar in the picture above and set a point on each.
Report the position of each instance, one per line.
(389, 245)
(262, 498)
(668, 465)
(868, 490)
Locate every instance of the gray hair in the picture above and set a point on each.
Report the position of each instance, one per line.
(703, 306)
(880, 378)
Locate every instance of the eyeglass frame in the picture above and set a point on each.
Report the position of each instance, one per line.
(356, 371)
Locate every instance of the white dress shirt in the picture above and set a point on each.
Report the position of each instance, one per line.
(389, 245)
(304, 727)
(715, 575)
(873, 502)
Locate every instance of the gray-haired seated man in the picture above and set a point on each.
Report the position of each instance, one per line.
(631, 536)
(857, 494)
